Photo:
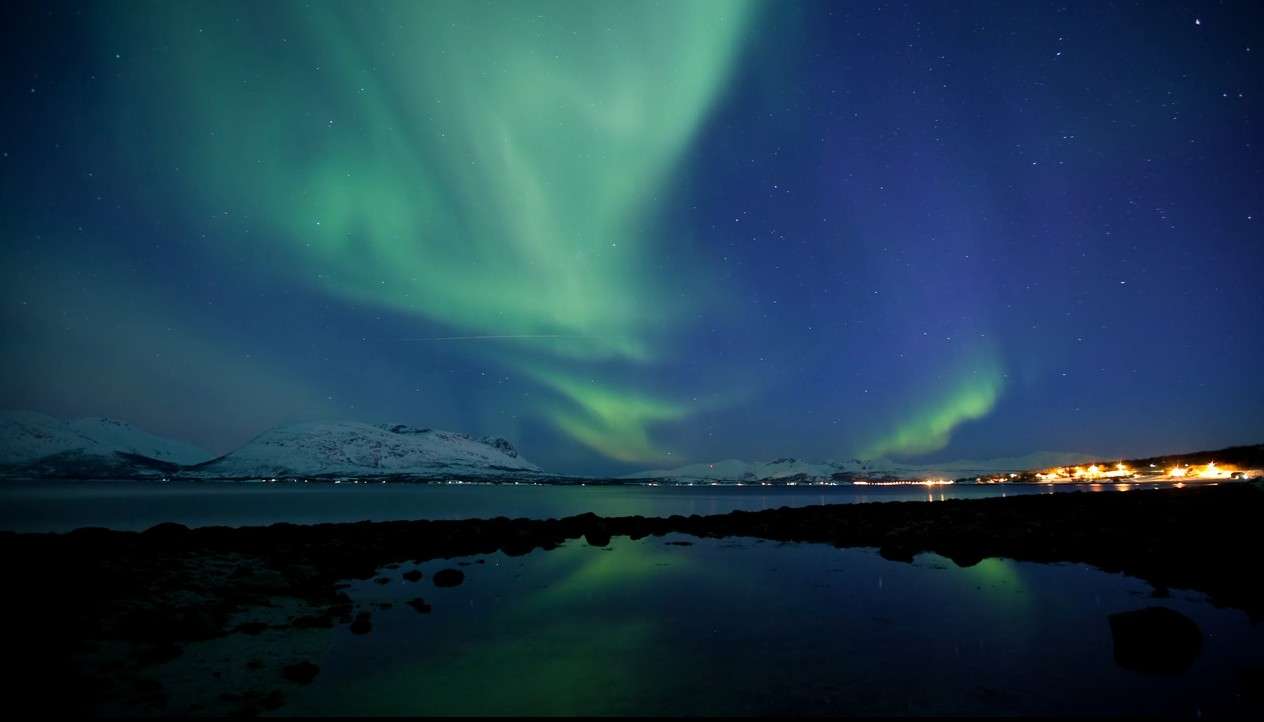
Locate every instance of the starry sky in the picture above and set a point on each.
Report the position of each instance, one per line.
(640, 234)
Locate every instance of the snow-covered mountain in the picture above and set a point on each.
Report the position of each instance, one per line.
(36, 445)
(122, 436)
(734, 470)
(40, 445)
(351, 448)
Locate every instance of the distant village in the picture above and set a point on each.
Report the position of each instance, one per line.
(1122, 472)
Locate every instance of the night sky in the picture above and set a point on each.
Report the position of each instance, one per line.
(641, 234)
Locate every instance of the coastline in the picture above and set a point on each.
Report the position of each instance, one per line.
(137, 598)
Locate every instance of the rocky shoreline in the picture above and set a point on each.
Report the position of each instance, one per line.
(98, 611)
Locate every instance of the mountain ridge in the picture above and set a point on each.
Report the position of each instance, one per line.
(35, 445)
(736, 470)
(90, 446)
(351, 448)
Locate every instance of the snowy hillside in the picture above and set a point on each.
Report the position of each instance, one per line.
(124, 437)
(27, 437)
(733, 470)
(350, 448)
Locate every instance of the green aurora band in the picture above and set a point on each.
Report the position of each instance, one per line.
(488, 166)
(973, 387)
(612, 421)
(494, 169)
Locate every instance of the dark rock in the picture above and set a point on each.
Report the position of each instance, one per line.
(252, 701)
(1251, 681)
(383, 580)
(964, 559)
(597, 537)
(679, 543)
(313, 621)
(420, 605)
(252, 628)
(413, 575)
(158, 653)
(165, 532)
(1155, 640)
(514, 548)
(362, 624)
(342, 612)
(502, 444)
(184, 624)
(449, 578)
(301, 673)
(272, 700)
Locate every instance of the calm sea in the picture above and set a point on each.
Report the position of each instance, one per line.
(42, 506)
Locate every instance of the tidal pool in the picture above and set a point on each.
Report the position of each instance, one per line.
(679, 625)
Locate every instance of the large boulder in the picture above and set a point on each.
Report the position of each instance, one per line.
(300, 673)
(1155, 640)
(363, 623)
(448, 577)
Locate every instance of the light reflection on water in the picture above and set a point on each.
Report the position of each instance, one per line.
(745, 626)
(61, 506)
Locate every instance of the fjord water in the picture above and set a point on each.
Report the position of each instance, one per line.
(739, 626)
(58, 506)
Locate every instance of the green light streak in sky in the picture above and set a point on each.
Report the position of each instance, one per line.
(613, 422)
(971, 392)
(490, 166)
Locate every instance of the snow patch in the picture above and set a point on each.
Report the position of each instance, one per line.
(27, 437)
(352, 448)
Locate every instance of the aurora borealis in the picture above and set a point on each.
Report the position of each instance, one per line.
(635, 233)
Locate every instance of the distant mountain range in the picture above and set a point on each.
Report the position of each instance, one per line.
(36, 445)
(351, 448)
(39, 445)
(787, 469)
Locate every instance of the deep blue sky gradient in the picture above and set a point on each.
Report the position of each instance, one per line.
(880, 194)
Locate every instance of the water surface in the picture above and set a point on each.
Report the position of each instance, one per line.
(131, 505)
(742, 626)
